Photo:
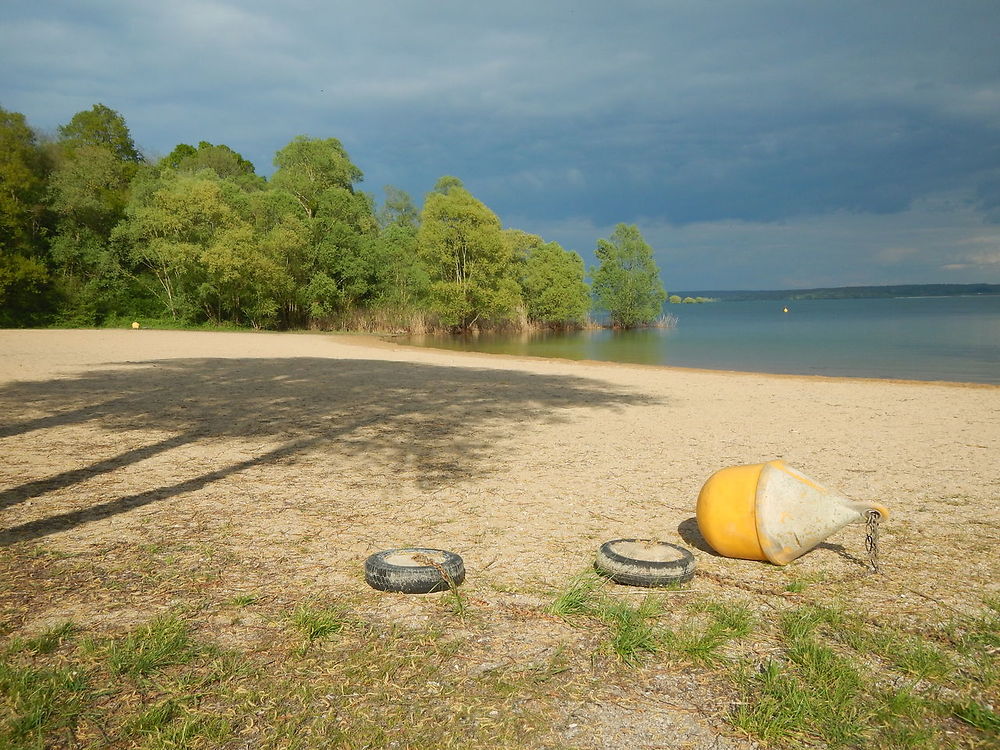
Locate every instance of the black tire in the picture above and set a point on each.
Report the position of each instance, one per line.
(640, 562)
(409, 570)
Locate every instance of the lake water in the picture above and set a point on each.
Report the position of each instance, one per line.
(926, 338)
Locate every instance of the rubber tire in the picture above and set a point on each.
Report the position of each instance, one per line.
(632, 571)
(413, 579)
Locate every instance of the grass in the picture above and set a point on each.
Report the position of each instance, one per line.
(39, 702)
(163, 642)
(833, 678)
(727, 622)
(786, 671)
(316, 623)
(848, 683)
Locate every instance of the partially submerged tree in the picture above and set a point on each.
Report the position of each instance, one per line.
(552, 284)
(461, 243)
(627, 282)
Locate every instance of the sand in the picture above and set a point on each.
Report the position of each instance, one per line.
(289, 458)
(337, 447)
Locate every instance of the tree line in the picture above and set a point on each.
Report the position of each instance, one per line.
(93, 233)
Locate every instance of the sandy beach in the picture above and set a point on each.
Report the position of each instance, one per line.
(292, 457)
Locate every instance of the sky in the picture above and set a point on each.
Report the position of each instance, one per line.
(756, 145)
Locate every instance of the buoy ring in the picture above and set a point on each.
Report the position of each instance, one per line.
(642, 562)
(414, 570)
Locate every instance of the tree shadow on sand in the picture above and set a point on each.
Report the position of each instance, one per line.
(439, 421)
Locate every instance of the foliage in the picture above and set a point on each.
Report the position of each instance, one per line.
(627, 282)
(308, 167)
(24, 169)
(553, 287)
(100, 127)
(91, 233)
(462, 246)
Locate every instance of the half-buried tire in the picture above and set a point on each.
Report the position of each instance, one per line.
(414, 570)
(640, 562)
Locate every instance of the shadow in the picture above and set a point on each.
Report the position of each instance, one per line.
(691, 534)
(842, 551)
(442, 422)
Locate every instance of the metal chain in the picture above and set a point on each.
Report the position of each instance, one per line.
(871, 539)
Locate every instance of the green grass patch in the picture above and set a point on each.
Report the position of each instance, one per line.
(163, 642)
(38, 702)
(45, 642)
(579, 597)
(316, 623)
(244, 600)
(845, 682)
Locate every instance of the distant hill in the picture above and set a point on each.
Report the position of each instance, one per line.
(849, 292)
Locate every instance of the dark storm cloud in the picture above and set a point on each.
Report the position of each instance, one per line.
(569, 114)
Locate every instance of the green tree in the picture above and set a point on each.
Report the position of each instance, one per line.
(102, 127)
(209, 262)
(24, 275)
(627, 282)
(308, 167)
(469, 263)
(552, 283)
(24, 171)
(221, 159)
(398, 209)
(339, 266)
(95, 162)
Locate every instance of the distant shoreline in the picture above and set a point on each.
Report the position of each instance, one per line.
(889, 291)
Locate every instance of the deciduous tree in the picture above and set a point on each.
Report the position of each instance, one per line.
(468, 261)
(627, 282)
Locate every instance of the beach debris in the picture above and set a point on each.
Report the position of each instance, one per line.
(773, 512)
(414, 570)
(644, 562)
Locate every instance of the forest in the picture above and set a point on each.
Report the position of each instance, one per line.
(94, 233)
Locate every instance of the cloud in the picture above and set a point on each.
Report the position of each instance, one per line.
(690, 117)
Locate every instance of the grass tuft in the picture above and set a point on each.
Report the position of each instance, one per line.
(579, 596)
(317, 623)
(163, 642)
(38, 701)
(49, 641)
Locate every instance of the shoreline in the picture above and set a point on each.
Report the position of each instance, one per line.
(378, 341)
(388, 342)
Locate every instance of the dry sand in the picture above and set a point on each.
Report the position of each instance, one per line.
(291, 457)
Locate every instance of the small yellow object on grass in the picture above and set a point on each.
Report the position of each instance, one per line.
(135, 325)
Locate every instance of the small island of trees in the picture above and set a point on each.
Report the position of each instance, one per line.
(92, 233)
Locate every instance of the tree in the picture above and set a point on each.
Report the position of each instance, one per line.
(24, 276)
(398, 209)
(103, 127)
(469, 264)
(627, 282)
(207, 259)
(307, 167)
(221, 159)
(23, 173)
(553, 287)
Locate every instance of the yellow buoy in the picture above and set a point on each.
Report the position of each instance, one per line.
(784, 309)
(772, 512)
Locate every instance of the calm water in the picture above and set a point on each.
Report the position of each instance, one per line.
(927, 338)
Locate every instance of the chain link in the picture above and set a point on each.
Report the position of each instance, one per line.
(871, 539)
